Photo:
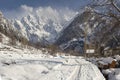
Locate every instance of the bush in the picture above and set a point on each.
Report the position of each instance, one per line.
(53, 49)
(1, 38)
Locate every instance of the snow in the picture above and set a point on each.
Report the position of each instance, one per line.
(107, 48)
(104, 61)
(101, 62)
(117, 57)
(5, 39)
(113, 74)
(22, 63)
(108, 60)
(31, 64)
(49, 69)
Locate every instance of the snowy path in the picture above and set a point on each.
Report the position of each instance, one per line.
(48, 69)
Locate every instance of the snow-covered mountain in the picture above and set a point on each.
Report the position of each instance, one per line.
(65, 29)
(43, 24)
(14, 34)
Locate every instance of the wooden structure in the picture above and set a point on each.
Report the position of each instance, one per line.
(112, 64)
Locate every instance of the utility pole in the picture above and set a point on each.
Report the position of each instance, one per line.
(85, 42)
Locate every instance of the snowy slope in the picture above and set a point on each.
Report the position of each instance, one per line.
(56, 68)
(18, 63)
(43, 24)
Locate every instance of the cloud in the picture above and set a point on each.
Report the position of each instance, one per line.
(22, 11)
(26, 8)
(55, 14)
(48, 12)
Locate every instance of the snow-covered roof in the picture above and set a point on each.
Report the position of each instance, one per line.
(108, 60)
(103, 63)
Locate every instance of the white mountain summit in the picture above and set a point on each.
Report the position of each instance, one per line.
(43, 24)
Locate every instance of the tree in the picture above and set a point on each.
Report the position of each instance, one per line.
(107, 8)
(107, 14)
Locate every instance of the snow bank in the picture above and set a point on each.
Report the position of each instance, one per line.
(113, 74)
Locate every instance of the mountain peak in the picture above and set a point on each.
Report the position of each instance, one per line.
(42, 24)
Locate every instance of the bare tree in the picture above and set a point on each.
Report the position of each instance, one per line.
(107, 8)
(108, 20)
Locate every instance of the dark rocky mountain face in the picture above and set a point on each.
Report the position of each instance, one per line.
(98, 29)
(74, 30)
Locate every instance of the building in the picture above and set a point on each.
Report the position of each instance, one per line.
(106, 63)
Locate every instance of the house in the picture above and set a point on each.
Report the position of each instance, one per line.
(106, 63)
(102, 65)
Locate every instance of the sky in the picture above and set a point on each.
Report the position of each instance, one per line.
(14, 6)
